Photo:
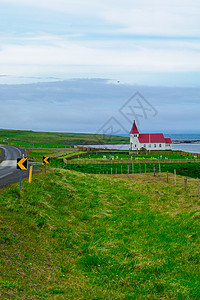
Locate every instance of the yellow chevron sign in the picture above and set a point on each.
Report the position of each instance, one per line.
(22, 163)
(46, 159)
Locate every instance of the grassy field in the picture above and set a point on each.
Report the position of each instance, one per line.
(31, 139)
(71, 235)
(94, 157)
(140, 156)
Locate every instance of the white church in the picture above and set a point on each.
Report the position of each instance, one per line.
(149, 141)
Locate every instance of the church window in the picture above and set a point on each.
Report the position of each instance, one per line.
(154, 145)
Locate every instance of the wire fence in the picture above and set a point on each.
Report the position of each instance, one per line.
(188, 184)
(139, 161)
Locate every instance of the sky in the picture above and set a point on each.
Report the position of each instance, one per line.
(122, 47)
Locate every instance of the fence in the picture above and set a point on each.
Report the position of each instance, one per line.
(142, 161)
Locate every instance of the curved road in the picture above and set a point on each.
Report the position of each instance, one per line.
(8, 168)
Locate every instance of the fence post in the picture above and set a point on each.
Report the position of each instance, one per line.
(154, 170)
(128, 169)
(175, 176)
(185, 183)
(116, 170)
(198, 186)
(145, 169)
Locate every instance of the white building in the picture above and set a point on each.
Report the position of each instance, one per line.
(149, 141)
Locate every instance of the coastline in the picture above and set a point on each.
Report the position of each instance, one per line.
(185, 141)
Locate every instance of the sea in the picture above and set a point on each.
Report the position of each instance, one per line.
(184, 137)
(192, 145)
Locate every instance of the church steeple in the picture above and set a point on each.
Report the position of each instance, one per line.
(134, 137)
(134, 129)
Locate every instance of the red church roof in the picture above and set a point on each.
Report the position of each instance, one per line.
(134, 129)
(151, 138)
(168, 141)
(146, 138)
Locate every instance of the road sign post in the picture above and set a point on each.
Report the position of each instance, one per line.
(22, 164)
(20, 179)
(46, 161)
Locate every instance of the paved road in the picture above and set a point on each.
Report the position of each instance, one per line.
(8, 167)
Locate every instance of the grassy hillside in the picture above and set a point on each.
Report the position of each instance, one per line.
(71, 235)
(54, 139)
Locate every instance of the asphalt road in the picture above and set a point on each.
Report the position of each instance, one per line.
(8, 167)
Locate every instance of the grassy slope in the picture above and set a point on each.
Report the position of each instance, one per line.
(78, 236)
(53, 139)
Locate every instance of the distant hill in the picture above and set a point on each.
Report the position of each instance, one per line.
(56, 139)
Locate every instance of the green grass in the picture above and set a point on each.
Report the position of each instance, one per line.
(71, 154)
(71, 235)
(31, 139)
(187, 169)
(36, 155)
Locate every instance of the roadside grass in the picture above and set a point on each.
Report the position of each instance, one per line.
(36, 155)
(39, 145)
(71, 154)
(71, 235)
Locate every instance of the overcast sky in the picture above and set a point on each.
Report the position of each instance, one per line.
(122, 43)
(97, 105)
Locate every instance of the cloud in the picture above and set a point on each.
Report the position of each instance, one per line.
(110, 39)
(169, 18)
(52, 56)
(86, 105)
(144, 17)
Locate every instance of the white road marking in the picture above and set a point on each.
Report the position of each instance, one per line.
(8, 163)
